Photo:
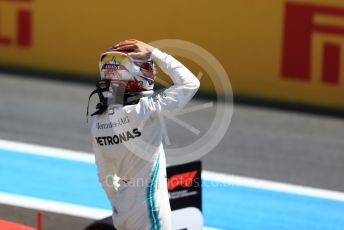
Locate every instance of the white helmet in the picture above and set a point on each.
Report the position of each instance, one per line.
(132, 75)
(123, 79)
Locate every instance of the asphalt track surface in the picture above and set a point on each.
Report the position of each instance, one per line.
(265, 143)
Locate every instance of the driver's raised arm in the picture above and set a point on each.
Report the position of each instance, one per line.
(184, 87)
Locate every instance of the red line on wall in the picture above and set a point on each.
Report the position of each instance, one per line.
(330, 29)
(24, 28)
(4, 40)
(296, 54)
(331, 63)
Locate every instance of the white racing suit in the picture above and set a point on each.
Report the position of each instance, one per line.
(127, 142)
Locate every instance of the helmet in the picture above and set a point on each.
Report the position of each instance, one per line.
(128, 74)
(124, 80)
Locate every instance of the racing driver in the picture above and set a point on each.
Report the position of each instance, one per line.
(127, 133)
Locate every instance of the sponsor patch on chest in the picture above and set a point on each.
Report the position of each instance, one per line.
(118, 138)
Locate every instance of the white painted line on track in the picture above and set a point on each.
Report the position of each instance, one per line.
(271, 185)
(53, 206)
(46, 151)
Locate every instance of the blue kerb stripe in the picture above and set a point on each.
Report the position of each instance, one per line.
(51, 178)
(225, 206)
(153, 214)
(237, 207)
